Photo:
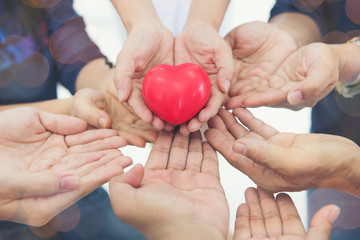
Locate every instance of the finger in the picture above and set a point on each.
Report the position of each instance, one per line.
(321, 223)
(235, 102)
(291, 221)
(159, 155)
(254, 124)
(194, 125)
(271, 98)
(137, 103)
(133, 177)
(26, 185)
(257, 222)
(124, 72)
(217, 123)
(183, 129)
(225, 63)
(242, 223)
(103, 172)
(271, 214)
(103, 144)
(133, 139)
(262, 152)
(221, 143)
(178, 152)
(213, 105)
(210, 163)
(89, 136)
(90, 109)
(235, 128)
(158, 123)
(195, 155)
(62, 124)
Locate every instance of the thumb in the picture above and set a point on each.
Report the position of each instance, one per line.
(90, 109)
(133, 177)
(321, 223)
(225, 63)
(124, 71)
(42, 184)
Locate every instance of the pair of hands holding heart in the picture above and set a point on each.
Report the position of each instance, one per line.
(175, 101)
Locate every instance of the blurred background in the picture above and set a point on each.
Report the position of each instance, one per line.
(106, 30)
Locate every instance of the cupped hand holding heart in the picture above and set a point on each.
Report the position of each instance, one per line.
(176, 93)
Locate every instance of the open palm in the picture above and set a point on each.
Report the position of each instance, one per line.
(179, 185)
(50, 161)
(259, 49)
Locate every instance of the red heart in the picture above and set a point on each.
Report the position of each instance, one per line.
(176, 93)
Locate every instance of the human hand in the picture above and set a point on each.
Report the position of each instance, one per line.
(259, 49)
(201, 44)
(147, 45)
(306, 77)
(102, 110)
(284, 161)
(177, 193)
(50, 161)
(263, 217)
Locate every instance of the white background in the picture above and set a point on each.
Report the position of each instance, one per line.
(105, 28)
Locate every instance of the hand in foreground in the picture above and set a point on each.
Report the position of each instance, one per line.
(49, 161)
(263, 217)
(259, 49)
(306, 77)
(102, 110)
(147, 45)
(177, 194)
(201, 44)
(284, 161)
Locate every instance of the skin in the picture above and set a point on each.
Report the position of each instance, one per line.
(199, 42)
(285, 161)
(266, 217)
(37, 145)
(177, 194)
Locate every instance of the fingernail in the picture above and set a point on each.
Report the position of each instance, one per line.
(69, 182)
(295, 97)
(120, 94)
(226, 85)
(102, 122)
(334, 214)
(239, 148)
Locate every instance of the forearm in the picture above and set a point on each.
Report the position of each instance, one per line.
(303, 28)
(96, 75)
(57, 106)
(207, 11)
(136, 12)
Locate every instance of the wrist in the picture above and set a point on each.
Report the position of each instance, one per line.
(212, 14)
(135, 12)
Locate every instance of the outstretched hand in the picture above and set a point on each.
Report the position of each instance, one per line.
(283, 161)
(50, 161)
(146, 46)
(102, 110)
(201, 44)
(177, 193)
(259, 49)
(263, 217)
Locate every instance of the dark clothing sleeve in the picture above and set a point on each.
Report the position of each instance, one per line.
(318, 14)
(69, 44)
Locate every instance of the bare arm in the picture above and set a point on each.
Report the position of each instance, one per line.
(303, 28)
(207, 11)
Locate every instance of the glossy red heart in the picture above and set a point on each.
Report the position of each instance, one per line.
(176, 93)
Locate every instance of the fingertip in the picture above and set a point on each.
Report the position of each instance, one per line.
(295, 97)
